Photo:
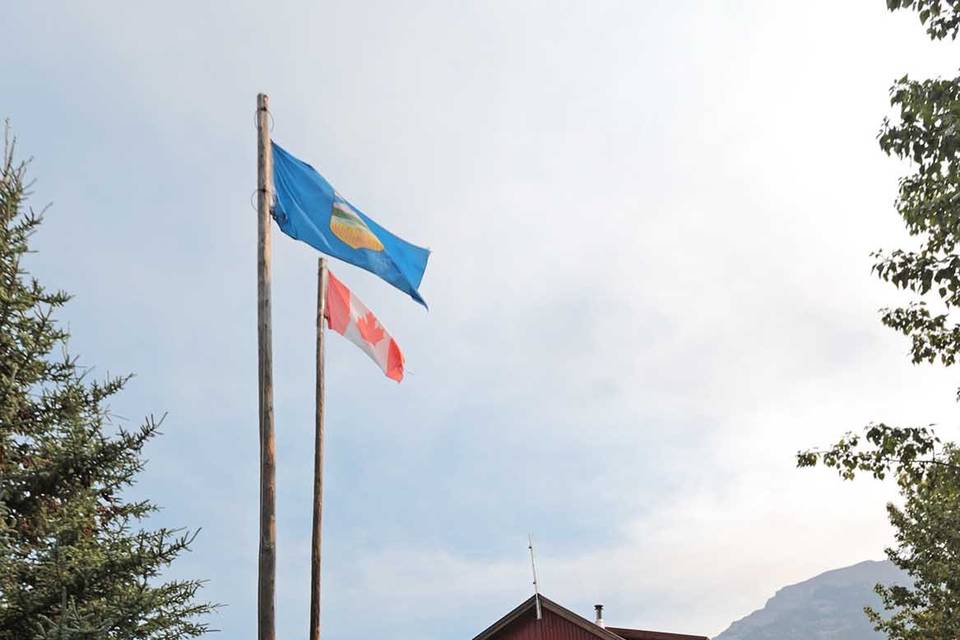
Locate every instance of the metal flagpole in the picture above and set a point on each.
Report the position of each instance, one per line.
(318, 459)
(536, 583)
(267, 569)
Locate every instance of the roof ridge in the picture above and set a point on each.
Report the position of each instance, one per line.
(644, 634)
(603, 633)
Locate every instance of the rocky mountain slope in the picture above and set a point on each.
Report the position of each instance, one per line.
(826, 607)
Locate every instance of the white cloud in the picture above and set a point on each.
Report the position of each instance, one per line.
(650, 287)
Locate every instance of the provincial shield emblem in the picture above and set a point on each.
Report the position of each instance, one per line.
(351, 229)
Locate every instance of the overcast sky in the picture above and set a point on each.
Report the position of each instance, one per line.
(651, 225)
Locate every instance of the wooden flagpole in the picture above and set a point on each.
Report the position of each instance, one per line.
(267, 569)
(318, 459)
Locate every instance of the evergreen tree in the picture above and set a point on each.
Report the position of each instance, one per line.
(75, 560)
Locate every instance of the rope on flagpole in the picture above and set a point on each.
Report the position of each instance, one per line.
(256, 119)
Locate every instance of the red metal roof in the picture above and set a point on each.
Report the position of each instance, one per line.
(640, 634)
(559, 623)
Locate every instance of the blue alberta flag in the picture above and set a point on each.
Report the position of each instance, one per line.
(307, 208)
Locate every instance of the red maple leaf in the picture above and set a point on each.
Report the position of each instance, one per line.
(370, 329)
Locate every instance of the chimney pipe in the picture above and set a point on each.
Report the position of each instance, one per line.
(599, 609)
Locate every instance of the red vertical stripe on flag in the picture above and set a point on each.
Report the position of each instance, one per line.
(338, 304)
(394, 369)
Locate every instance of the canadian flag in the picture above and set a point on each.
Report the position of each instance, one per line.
(350, 318)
